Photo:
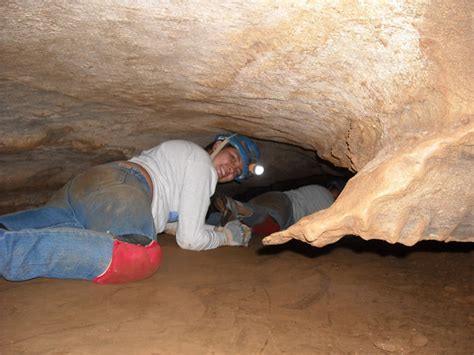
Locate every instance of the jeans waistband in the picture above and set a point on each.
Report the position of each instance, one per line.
(139, 172)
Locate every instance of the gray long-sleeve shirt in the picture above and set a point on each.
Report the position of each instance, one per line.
(309, 199)
(184, 179)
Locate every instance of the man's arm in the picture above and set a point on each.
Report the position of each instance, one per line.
(198, 186)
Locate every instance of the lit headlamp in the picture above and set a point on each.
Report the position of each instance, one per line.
(256, 169)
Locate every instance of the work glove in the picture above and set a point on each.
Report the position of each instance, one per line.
(237, 234)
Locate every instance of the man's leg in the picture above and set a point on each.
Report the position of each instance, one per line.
(76, 254)
(54, 252)
(265, 214)
(41, 217)
(274, 204)
(267, 227)
(255, 211)
(117, 200)
(110, 208)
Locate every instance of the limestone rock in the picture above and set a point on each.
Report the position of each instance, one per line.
(421, 191)
(384, 89)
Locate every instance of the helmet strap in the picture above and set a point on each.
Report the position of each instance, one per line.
(221, 146)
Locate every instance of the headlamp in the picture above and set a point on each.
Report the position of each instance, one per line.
(256, 169)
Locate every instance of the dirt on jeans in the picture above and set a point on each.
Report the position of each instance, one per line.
(354, 297)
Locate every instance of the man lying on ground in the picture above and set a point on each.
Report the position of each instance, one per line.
(275, 210)
(102, 224)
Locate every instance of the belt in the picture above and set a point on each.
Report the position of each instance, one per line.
(141, 169)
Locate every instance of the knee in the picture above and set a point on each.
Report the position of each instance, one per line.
(131, 262)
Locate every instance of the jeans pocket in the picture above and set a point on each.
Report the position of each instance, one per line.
(96, 179)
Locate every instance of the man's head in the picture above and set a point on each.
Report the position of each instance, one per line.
(234, 156)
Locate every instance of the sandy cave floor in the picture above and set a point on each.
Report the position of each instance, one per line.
(352, 297)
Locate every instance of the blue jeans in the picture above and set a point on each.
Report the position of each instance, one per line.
(72, 235)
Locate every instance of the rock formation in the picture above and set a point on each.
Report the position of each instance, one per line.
(383, 88)
(421, 191)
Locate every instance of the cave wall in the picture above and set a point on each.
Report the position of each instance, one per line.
(359, 82)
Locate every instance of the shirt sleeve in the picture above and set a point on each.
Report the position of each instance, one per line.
(198, 186)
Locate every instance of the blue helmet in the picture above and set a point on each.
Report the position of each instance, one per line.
(247, 149)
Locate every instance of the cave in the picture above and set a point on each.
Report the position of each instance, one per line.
(377, 92)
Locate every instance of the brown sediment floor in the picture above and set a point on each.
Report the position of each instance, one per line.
(353, 297)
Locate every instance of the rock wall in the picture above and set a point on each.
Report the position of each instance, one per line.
(383, 88)
(422, 191)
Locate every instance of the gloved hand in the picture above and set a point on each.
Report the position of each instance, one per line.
(237, 234)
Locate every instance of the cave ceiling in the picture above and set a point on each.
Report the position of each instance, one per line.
(381, 88)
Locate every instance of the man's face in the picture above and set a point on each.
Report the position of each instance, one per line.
(228, 163)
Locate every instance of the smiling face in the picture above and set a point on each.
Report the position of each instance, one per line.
(227, 163)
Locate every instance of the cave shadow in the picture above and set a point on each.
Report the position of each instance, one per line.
(360, 246)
